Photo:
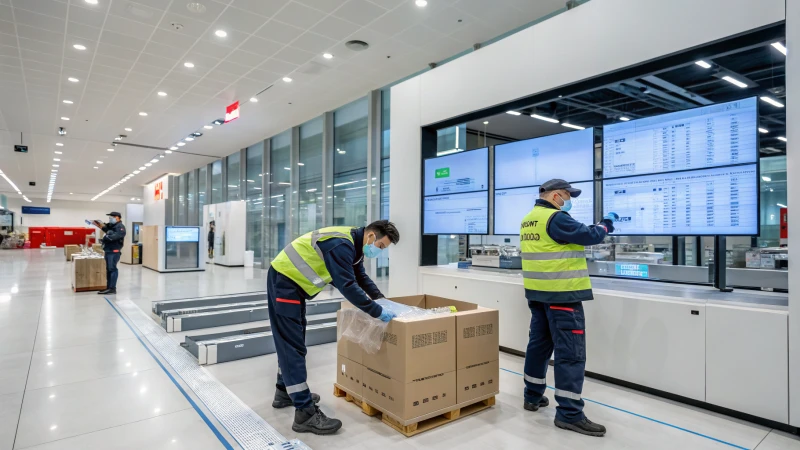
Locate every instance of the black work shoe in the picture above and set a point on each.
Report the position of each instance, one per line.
(535, 407)
(282, 399)
(107, 292)
(585, 426)
(313, 420)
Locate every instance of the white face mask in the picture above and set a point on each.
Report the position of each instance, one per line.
(112, 220)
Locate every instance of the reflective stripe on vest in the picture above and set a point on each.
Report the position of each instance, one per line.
(302, 260)
(547, 265)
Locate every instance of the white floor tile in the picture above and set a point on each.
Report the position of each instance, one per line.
(17, 337)
(88, 362)
(73, 409)
(9, 415)
(80, 331)
(14, 372)
(778, 440)
(183, 430)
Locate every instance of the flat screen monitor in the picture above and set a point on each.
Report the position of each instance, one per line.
(722, 200)
(183, 234)
(511, 206)
(460, 172)
(568, 156)
(457, 214)
(709, 136)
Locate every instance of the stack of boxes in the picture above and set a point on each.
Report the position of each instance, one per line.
(426, 366)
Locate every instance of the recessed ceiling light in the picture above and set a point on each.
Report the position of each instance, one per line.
(99, 162)
(208, 127)
(576, 127)
(70, 193)
(129, 129)
(486, 122)
(546, 119)
(287, 79)
(73, 79)
(162, 94)
(180, 144)
(422, 3)
(221, 33)
(188, 64)
(68, 102)
(147, 165)
(773, 102)
(142, 168)
(55, 165)
(253, 100)
(58, 153)
(734, 81)
(65, 118)
(91, 2)
(327, 56)
(143, 114)
(110, 149)
(189, 139)
(136, 172)
(514, 113)
(781, 138)
(95, 167)
(56, 159)
(79, 47)
(172, 148)
(59, 144)
(703, 64)
(624, 119)
(780, 47)
(763, 130)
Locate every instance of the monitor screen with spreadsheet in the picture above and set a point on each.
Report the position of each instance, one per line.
(511, 206)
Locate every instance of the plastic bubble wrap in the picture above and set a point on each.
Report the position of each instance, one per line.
(367, 331)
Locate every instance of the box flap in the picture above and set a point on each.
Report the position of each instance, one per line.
(431, 301)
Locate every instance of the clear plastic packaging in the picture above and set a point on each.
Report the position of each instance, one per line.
(368, 332)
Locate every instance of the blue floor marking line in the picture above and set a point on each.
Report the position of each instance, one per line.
(214, 429)
(649, 418)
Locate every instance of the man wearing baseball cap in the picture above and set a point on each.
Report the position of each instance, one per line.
(556, 279)
(112, 246)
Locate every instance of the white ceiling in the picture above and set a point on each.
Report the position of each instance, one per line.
(133, 51)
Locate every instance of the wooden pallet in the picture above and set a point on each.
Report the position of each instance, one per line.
(417, 427)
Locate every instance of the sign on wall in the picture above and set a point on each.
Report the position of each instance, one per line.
(158, 193)
(35, 210)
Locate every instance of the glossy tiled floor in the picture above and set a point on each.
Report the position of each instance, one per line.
(74, 376)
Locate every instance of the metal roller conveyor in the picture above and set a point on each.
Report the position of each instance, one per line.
(205, 309)
(164, 305)
(234, 345)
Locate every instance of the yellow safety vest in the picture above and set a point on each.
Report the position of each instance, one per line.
(547, 265)
(302, 261)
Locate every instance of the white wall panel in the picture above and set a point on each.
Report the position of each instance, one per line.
(595, 38)
(63, 213)
(793, 188)
(746, 359)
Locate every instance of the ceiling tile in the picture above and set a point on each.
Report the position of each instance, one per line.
(294, 55)
(8, 40)
(157, 61)
(261, 47)
(41, 35)
(219, 74)
(141, 68)
(79, 64)
(9, 51)
(12, 61)
(116, 52)
(52, 67)
(128, 27)
(120, 40)
(335, 28)
(243, 58)
(212, 49)
(279, 32)
(240, 20)
(41, 47)
(118, 72)
(266, 8)
(173, 39)
(394, 21)
(282, 67)
(235, 68)
(189, 27)
(327, 6)
(6, 27)
(419, 35)
(361, 12)
(314, 43)
(212, 11)
(86, 16)
(264, 76)
(136, 11)
(473, 34)
(47, 7)
(299, 15)
(164, 51)
(200, 61)
(390, 4)
(82, 32)
(38, 20)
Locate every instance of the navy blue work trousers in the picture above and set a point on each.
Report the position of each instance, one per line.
(559, 327)
(287, 318)
(112, 259)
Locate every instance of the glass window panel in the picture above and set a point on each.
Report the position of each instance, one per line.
(310, 169)
(191, 199)
(255, 200)
(182, 199)
(234, 174)
(280, 180)
(350, 164)
(202, 173)
(386, 118)
(216, 182)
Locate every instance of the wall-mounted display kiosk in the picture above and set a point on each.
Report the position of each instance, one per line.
(457, 193)
(230, 219)
(182, 247)
(511, 206)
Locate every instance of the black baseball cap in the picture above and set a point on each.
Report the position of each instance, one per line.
(114, 213)
(557, 185)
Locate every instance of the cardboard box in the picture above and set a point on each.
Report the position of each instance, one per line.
(407, 401)
(477, 331)
(350, 376)
(344, 347)
(477, 381)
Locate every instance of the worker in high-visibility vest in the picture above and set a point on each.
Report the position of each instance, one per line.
(332, 255)
(556, 279)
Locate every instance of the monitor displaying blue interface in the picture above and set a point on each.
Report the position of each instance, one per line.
(717, 201)
(711, 136)
(511, 205)
(568, 156)
(183, 234)
(460, 172)
(457, 213)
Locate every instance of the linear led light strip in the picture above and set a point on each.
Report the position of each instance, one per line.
(118, 183)
(14, 186)
(51, 186)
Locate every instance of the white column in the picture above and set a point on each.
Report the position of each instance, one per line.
(793, 186)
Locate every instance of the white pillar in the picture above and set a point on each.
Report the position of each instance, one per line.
(793, 186)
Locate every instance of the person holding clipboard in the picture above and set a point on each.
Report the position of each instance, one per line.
(112, 246)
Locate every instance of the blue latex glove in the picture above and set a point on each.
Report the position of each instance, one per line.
(612, 216)
(387, 315)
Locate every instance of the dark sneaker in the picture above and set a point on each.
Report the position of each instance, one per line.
(313, 420)
(535, 407)
(585, 426)
(108, 292)
(282, 399)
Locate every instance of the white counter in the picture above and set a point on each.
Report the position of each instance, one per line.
(726, 349)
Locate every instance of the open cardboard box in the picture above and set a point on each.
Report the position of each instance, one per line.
(423, 362)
